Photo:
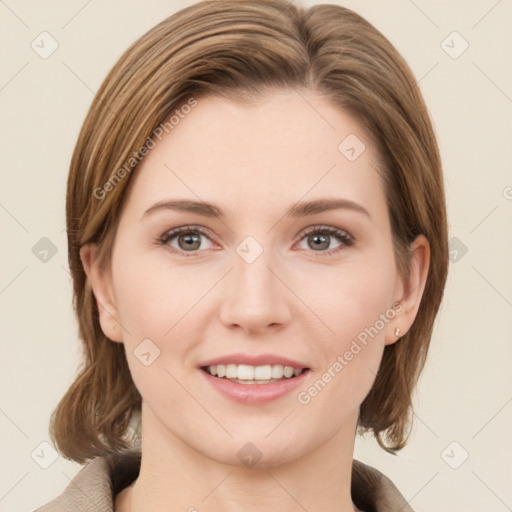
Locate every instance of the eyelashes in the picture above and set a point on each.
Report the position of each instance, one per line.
(184, 230)
(340, 235)
(324, 234)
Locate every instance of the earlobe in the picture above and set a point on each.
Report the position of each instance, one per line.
(412, 293)
(101, 284)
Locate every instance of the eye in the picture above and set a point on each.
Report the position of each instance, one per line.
(188, 239)
(319, 238)
(185, 239)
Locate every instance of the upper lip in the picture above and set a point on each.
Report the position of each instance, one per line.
(254, 360)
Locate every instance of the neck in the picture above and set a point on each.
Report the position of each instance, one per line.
(173, 474)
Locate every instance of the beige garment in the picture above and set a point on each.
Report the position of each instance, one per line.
(96, 485)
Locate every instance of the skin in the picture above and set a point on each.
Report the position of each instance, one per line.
(253, 161)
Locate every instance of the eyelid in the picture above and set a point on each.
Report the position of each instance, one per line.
(341, 234)
(344, 237)
(325, 228)
(171, 233)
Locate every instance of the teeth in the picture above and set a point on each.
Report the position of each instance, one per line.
(288, 371)
(244, 372)
(263, 372)
(253, 373)
(231, 371)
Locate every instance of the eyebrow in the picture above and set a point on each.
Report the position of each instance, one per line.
(301, 209)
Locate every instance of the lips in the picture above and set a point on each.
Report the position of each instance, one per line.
(290, 372)
(252, 360)
(254, 392)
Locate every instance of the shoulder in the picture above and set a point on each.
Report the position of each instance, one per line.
(95, 486)
(372, 491)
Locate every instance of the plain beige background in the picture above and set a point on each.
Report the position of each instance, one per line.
(460, 453)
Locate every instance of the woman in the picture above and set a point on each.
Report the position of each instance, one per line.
(258, 244)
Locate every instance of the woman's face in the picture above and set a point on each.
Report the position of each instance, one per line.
(249, 282)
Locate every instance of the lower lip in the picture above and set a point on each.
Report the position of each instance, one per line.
(255, 394)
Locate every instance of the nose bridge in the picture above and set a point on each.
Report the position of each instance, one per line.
(255, 297)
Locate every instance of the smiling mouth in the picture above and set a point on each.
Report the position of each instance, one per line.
(247, 374)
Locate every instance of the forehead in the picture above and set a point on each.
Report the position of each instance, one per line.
(287, 146)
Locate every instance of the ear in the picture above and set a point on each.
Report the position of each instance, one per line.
(101, 283)
(408, 298)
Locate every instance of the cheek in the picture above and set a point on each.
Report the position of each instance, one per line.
(152, 295)
(355, 304)
(351, 297)
(161, 308)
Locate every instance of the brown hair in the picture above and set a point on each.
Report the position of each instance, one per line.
(239, 50)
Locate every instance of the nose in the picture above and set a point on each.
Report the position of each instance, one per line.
(255, 297)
